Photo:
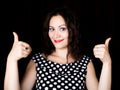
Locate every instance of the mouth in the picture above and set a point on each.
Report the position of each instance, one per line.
(58, 41)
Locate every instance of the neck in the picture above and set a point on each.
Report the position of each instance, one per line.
(61, 52)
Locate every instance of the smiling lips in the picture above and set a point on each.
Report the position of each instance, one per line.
(58, 41)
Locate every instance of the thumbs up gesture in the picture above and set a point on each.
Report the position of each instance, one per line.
(101, 51)
(19, 49)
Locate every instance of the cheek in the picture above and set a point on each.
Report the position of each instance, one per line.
(50, 36)
(65, 35)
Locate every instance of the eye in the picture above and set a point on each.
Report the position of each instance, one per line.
(51, 29)
(63, 28)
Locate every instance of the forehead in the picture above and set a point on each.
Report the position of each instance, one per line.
(57, 20)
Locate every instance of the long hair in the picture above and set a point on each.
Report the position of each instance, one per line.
(74, 44)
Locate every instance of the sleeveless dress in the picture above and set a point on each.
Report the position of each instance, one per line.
(54, 76)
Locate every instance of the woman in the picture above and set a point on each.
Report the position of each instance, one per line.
(61, 65)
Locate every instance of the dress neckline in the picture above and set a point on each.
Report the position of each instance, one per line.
(50, 61)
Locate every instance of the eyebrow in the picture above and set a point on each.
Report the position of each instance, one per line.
(59, 26)
(63, 25)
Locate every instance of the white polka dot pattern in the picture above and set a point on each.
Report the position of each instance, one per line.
(54, 76)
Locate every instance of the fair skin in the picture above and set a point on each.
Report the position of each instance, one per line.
(58, 34)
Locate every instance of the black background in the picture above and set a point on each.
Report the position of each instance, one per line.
(98, 19)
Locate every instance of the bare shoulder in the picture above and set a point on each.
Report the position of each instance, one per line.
(31, 65)
(91, 79)
(43, 55)
(91, 69)
(90, 65)
(29, 76)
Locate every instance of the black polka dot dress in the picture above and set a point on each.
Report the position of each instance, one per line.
(54, 76)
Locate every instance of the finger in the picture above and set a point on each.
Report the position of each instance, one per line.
(25, 45)
(107, 41)
(27, 49)
(15, 37)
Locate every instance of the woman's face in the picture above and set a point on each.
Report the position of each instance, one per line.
(58, 32)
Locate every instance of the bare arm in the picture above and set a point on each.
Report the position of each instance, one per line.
(18, 51)
(105, 78)
(104, 83)
(29, 78)
(91, 79)
(101, 51)
(11, 81)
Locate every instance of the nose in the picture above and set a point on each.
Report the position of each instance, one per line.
(56, 34)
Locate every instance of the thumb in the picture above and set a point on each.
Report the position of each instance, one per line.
(107, 41)
(15, 37)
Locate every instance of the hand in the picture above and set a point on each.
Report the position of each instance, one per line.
(19, 49)
(101, 51)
